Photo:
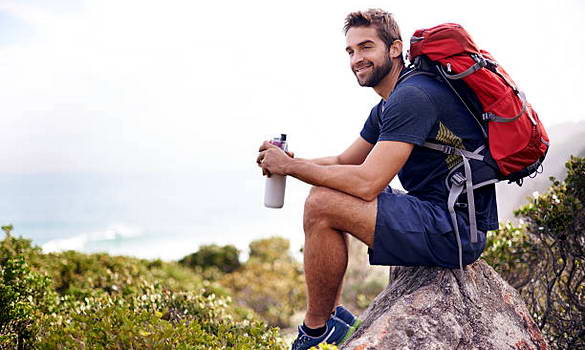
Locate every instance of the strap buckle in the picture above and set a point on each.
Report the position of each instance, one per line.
(487, 116)
(458, 179)
(479, 59)
(447, 149)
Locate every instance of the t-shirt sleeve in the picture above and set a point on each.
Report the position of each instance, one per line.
(409, 116)
(371, 130)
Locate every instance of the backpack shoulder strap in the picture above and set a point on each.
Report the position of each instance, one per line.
(458, 184)
(413, 71)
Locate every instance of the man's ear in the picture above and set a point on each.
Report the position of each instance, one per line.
(396, 49)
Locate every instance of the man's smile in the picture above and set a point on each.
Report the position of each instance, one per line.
(363, 68)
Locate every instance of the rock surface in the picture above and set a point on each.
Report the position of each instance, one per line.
(435, 308)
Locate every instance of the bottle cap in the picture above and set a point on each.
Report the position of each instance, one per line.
(282, 137)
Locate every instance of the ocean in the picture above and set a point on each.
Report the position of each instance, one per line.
(147, 216)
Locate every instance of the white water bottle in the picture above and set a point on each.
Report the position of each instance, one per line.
(276, 184)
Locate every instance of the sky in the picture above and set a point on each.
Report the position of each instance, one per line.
(170, 90)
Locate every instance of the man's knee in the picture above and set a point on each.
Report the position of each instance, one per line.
(317, 206)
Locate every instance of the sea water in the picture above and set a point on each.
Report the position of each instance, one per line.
(147, 216)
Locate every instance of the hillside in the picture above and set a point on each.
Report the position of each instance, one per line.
(73, 300)
(566, 140)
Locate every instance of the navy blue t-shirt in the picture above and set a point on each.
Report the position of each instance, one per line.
(422, 108)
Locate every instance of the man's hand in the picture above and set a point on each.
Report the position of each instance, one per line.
(272, 159)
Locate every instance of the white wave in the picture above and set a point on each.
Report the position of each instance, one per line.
(82, 241)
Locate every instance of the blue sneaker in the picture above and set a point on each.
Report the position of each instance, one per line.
(337, 332)
(346, 316)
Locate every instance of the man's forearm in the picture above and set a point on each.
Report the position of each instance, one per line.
(363, 174)
(345, 178)
(332, 160)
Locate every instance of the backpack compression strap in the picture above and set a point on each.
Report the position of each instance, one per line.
(481, 62)
(458, 183)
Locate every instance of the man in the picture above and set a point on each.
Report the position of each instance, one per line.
(351, 194)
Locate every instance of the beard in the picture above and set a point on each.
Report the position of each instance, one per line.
(377, 74)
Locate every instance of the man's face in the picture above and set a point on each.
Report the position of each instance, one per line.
(369, 57)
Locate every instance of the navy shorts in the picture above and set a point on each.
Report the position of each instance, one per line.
(413, 232)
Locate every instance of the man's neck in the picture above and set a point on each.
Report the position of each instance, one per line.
(386, 85)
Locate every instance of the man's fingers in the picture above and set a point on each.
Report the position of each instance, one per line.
(260, 158)
(259, 161)
(266, 145)
(265, 171)
(263, 151)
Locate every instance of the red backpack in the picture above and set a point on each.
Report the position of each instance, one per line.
(516, 140)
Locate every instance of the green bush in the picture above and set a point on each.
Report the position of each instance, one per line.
(156, 319)
(513, 253)
(226, 258)
(271, 282)
(545, 258)
(72, 300)
(25, 296)
(270, 250)
(362, 282)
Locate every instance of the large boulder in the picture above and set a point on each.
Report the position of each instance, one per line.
(436, 308)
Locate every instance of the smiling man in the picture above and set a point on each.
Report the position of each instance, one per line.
(351, 193)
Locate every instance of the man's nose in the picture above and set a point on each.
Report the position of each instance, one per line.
(356, 58)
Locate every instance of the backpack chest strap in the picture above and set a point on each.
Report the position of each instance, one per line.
(453, 150)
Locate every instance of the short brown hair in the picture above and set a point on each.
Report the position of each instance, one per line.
(383, 21)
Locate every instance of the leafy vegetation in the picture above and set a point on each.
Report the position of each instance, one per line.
(362, 282)
(544, 258)
(25, 295)
(73, 300)
(512, 252)
(271, 282)
(226, 258)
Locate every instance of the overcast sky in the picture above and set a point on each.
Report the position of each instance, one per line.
(186, 86)
(169, 100)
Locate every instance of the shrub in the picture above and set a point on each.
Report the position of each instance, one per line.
(75, 273)
(25, 295)
(270, 250)
(109, 302)
(226, 258)
(513, 253)
(271, 282)
(156, 319)
(363, 282)
(545, 258)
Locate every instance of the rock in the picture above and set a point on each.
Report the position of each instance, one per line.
(436, 308)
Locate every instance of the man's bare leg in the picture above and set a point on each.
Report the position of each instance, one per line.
(328, 215)
(340, 288)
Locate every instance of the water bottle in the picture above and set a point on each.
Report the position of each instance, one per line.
(275, 184)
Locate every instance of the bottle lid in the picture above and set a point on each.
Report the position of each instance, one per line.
(282, 137)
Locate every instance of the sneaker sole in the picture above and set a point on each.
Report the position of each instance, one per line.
(351, 330)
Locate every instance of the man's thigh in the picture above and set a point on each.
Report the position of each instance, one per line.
(342, 212)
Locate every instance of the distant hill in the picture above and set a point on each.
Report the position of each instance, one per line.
(566, 140)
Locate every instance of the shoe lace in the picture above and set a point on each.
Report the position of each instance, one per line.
(300, 341)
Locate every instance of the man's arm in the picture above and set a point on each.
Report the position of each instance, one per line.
(353, 155)
(364, 181)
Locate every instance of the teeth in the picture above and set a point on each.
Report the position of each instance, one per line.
(362, 68)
